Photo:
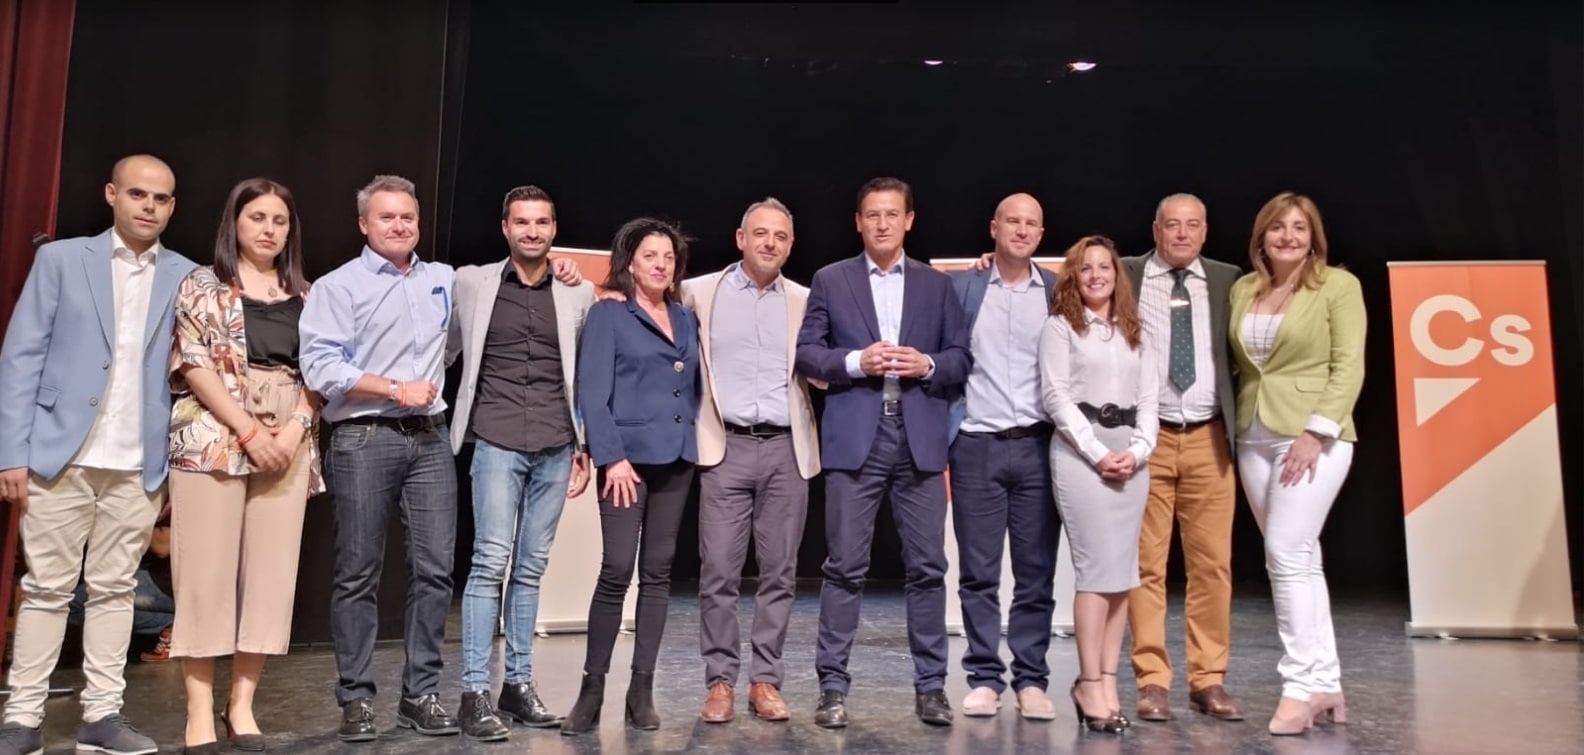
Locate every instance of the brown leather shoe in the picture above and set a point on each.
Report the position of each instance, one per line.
(1152, 703)
(1214, 702)
(766, 703)
(718, 707)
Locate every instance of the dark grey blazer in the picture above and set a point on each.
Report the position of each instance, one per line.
(1220, 277)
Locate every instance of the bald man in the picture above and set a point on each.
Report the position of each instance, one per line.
(86, 411)
(1000, 467)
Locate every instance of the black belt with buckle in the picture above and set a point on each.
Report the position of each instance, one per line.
(1110, 415)
(761, 430)
(891, 408)
(1040, 429)
(406, 425)
(1183, 427)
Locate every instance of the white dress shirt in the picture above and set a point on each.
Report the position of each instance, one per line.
(116, 439)
(1098, 368)
(1199, 403)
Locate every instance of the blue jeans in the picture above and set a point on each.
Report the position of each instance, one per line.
(517, 502)
(152, 610)
(373, 468)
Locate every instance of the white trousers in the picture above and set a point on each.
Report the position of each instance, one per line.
(1291, 518)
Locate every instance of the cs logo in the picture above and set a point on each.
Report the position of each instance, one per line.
(1507, 331)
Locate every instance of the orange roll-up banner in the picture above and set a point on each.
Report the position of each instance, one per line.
(1481, 468)
(1061, 621)
(568, 581)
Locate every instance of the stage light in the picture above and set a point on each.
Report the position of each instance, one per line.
(1080, 66)
(933, 62)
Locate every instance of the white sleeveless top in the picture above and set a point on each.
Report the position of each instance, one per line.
(1258, 333)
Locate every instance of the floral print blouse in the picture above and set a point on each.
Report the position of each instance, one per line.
(210, 334)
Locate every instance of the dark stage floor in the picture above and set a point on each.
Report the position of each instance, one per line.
(1427, 696)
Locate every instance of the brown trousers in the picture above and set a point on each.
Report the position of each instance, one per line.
(1192, 484)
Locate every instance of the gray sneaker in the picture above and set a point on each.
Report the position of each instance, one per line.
(115, 735)
(16, 739)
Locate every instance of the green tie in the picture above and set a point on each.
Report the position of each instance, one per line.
(1181, 367)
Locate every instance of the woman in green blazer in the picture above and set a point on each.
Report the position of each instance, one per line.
(1298, 338)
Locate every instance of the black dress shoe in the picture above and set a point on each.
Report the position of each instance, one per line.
(832, 710)
(521, 702)
(933, 709)
(357, 721)
(476, 717)
(207, 748)
(425, 715)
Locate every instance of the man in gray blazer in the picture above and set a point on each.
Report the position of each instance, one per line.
(1183, 301)
(758, 446)
(517, 329)
(85, 408)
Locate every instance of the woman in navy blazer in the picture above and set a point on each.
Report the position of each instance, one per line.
(638, 391)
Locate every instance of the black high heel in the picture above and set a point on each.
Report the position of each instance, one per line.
(1109, 724)
(1127, 723)
(245, 742)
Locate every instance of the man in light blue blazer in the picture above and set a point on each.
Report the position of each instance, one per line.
(85, 408)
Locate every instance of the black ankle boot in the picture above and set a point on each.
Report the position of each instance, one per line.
(640, 702)
(585, 713)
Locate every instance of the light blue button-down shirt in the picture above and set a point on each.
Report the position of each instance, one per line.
(886, 286)
(748, 350)
(367, 317)
(1003, 390)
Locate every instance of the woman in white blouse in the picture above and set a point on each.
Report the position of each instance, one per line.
(1098, 383)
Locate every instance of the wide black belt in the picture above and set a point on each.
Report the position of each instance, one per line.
(1183, 427)
(1110, 415)
(411, 424)
(761, 430)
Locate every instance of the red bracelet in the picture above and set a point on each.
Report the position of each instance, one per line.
(242, 441)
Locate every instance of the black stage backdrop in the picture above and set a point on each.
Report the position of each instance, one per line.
(1447, 134)
(1444, 134)
(320, 96)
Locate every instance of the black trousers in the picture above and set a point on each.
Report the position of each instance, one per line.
(642, 536)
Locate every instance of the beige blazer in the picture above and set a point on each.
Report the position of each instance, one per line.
(698, 294)
(476, 289)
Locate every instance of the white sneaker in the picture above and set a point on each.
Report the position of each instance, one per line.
(1034, 704)
(981, 702)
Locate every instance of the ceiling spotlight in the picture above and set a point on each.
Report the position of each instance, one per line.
(1080, 66)
(933, 62)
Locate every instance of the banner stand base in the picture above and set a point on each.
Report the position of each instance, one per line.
(1568, 632)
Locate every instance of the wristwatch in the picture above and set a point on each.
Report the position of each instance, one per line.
(304, 420)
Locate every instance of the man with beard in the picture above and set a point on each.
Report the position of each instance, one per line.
(516, 329)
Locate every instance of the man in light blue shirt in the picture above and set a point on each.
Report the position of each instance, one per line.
(373, 345)
(1000, 462)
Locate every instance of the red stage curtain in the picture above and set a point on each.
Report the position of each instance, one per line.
(35, 51)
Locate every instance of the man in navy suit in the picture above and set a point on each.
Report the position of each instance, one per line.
(887, 334)
(85, 408)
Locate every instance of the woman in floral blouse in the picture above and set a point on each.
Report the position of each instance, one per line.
(243, 457)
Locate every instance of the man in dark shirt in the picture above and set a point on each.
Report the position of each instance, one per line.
(516, 329)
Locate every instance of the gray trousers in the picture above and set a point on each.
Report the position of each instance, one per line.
(756, 490)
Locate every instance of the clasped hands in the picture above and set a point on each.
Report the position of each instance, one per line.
(1117, 466)
(886, 359)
